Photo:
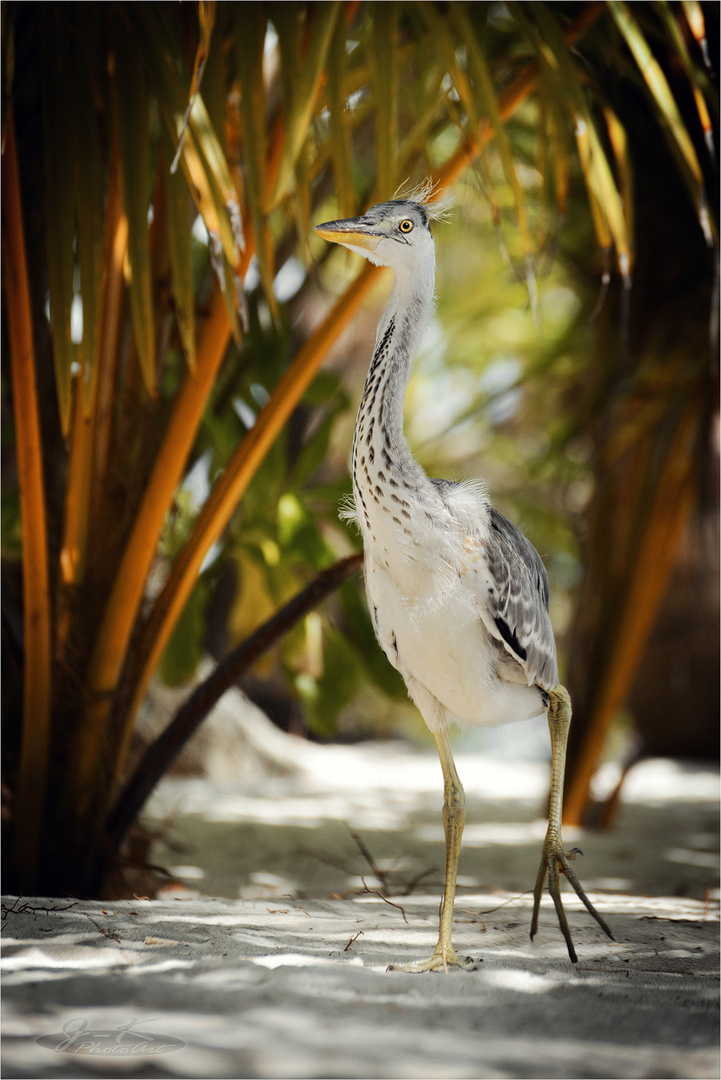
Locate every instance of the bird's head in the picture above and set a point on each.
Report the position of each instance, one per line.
(395, 234)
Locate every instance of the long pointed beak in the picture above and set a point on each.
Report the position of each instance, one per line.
(349, 231)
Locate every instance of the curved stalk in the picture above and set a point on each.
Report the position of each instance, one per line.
(647, 576)
(32, 779)
(236, 477)
(73, 548)
(163, 751)
(90, 423)
(108, 358)
(121, 611)
(110, 654)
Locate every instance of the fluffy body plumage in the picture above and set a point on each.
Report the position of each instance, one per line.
(458, 596)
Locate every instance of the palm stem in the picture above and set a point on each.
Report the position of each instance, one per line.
(646, 579)
(90, 423)
(236, 477)
(34, 748)
(121, 611)
(116, 247)
(161, 753)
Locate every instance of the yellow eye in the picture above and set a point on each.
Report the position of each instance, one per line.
(406, 226)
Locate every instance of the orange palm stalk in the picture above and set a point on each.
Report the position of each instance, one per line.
(32, 780)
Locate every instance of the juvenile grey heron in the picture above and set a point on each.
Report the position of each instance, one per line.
(458, 596)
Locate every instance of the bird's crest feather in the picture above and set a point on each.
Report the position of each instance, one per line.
(426, 194)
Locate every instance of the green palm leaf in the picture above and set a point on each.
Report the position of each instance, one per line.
(657, 85)
(304, 46)
(179, 254)
(250, 29)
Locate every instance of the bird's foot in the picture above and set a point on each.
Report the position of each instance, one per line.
(444, 958)
(554, 862)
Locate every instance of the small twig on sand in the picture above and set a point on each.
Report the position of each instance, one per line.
(375, 892)
(401, 886)
(36, 909)
(354, 938)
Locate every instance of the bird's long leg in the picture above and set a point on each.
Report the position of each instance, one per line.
(555, 860)
(454, 817)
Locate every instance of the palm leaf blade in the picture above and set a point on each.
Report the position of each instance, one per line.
(179, 253)
(60, 138)
(489, 105)
(90, 186)
(385, 82)
(300, 94)
(250, 40)
(660, 91)
(131, 111)
(202, 157)
(340, 126)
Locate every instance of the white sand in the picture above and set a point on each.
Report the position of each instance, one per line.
(282, 980)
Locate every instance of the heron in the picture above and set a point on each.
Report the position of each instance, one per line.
(457, 595)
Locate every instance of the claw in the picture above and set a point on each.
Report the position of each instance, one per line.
(555, 861)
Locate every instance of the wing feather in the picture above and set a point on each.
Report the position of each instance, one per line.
(517, 600)
(509, 581)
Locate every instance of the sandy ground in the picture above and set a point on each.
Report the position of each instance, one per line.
(267, 954)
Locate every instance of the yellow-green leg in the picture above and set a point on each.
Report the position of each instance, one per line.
(555, 860)
(454, 817)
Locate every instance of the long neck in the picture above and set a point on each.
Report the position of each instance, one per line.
(383, 465)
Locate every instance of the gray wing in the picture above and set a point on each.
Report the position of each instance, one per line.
(509, 581)
(517, 601)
